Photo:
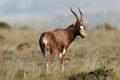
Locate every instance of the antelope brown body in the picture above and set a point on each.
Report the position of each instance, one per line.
(58, 41)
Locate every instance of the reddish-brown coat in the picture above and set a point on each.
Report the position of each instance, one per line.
(60, 38)
(58, 41)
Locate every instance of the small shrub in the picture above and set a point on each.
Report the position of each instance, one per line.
(24, 27)
(98, 74)
(23, 46)
(4, 25)
(109, 27)
(106, 27)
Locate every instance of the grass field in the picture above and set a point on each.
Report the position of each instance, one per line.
(100, 48)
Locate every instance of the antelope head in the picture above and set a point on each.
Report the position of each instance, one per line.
(79, 26)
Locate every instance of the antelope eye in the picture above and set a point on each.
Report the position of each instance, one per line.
(81, 23)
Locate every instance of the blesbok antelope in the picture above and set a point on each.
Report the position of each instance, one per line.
(58, 41)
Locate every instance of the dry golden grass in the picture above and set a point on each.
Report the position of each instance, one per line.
(100, 48)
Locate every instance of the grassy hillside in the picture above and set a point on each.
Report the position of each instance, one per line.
(100, 49)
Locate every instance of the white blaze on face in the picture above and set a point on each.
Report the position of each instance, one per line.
(82, 31)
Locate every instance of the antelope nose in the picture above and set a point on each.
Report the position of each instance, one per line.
(83, 35)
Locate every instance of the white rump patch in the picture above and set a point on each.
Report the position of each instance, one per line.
(45, 41)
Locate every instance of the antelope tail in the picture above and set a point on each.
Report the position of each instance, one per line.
(42, 44)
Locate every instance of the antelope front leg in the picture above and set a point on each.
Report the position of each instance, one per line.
(62, 54)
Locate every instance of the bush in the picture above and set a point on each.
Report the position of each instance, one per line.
(106, 27)
(4, 25)
(23, 46)
(24, 27)
(97, 74)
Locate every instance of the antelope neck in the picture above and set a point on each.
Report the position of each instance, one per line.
(71, 32)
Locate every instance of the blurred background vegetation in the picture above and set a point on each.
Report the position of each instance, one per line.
(106, 26)
(96, 57)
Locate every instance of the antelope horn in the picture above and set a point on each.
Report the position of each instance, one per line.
(80, 12)
(74, 13)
